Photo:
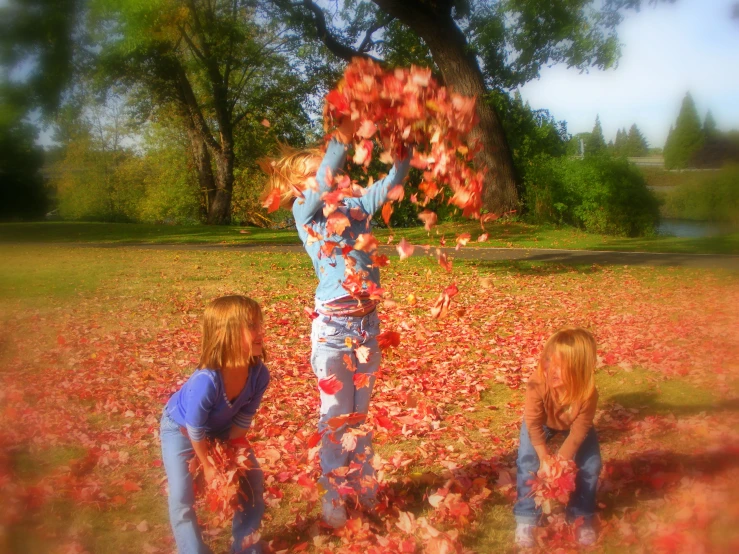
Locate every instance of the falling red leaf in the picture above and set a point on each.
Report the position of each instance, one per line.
(388, 339)
(429, 219)
(361, 380)
(330, 385)
(366, 242)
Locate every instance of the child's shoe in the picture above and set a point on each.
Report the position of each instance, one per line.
(586, 535)
(334, 511)
(525, 535)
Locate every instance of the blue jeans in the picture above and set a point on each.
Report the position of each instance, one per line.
(328, 358)
(177, 451)
(582, 499)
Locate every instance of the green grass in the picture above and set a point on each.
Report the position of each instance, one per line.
(136, 233)
(505, 234)
(659, 177)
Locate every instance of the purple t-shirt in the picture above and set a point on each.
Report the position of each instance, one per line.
(202, 407)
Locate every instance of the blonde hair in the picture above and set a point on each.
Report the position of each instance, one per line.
(577, 351)
(289, 171)
(226, 344)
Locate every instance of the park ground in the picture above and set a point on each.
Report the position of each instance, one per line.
(94, 340)
(502, 234)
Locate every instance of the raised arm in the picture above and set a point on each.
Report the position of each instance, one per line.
(376, 195)
(305, 208)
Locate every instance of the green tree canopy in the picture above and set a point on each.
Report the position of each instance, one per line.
(476, 46)
(222, 64)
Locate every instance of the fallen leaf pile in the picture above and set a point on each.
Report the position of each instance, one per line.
(553, 483)
(222, 496)
(85, 379)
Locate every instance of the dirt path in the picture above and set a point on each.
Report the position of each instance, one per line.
(599, 257)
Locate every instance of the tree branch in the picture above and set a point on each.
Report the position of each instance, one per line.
(367, 43)
(332, 43)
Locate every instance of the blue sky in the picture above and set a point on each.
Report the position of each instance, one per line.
(667, 50)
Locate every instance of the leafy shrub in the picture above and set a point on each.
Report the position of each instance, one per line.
(712, 197)
(171, 188)
(599, 194)
(94, 185)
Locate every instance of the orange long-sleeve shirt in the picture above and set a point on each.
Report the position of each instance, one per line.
(542, 408)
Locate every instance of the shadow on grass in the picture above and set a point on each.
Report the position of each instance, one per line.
(648, 404)
(531, 267)
(651, 475)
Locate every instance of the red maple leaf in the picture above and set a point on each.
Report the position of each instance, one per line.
(388, 339)
(330, 385)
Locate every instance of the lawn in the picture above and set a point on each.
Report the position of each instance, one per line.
(94, 340)
(501, 234)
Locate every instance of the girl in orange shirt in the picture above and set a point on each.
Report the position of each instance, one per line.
(561, 398)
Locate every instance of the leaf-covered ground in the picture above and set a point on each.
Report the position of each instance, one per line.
(93, 342)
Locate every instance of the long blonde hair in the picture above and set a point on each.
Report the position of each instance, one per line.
(578, 353)
(289, 171)
(226, 343)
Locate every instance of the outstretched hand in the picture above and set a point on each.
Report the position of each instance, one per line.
(346, 129)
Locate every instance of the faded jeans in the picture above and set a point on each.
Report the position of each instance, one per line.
(176, 453)
(329, 349)
(582, 499)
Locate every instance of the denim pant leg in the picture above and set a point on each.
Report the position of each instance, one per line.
(176, 453)
(362, 455)
(248, 517)
(328, 358)
(527, 464)
(582, 501)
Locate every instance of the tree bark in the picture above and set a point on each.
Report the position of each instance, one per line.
(219, 209)
(201, 158)
(448, 46)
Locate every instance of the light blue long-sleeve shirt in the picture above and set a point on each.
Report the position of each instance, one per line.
(308, 211)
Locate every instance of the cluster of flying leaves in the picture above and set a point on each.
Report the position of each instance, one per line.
(446, 409)
(408, 107)
(553, 483)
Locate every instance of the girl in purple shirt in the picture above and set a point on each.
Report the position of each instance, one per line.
(219, 400)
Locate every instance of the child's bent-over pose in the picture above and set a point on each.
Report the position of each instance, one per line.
(219, 400)
(561, 398)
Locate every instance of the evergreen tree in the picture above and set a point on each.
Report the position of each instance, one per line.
(687, 137)
(636, 144)
(668, 141)
(709, 126)
(620, 144)
(596, 144)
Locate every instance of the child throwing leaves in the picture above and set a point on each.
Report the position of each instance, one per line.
(219, 400)
(334, 225)
(560, 398)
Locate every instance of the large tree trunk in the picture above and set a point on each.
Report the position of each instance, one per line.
(201, 158)
(461, 71)
(219, 207)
